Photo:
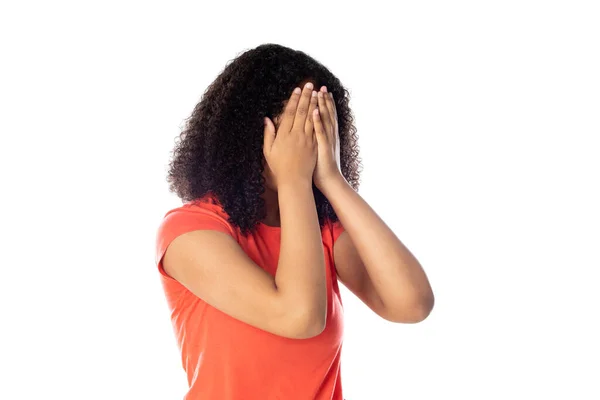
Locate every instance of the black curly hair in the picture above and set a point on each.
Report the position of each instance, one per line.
(220, 149)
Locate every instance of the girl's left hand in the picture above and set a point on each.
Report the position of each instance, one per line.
(328, 140)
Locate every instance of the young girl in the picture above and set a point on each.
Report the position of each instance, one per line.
(271, 221)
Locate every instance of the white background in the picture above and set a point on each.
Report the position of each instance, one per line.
(479, 126)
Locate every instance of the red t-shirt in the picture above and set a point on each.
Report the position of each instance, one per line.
(226, 359)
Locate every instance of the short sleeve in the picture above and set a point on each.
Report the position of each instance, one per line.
(186, 219)
(336, 230)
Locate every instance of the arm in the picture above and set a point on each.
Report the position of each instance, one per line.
(370, 260)
(300, 273)
(212, 265)
(373, 263)
(292, 304)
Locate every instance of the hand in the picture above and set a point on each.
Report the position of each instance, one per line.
(326, 127)
(291, 153)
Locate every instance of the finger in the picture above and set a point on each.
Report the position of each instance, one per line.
(302, 109)
(329, 103)
(269, 136)
(334, 106)
(324, 112)
(308, 127)
(319, 130)
(333, 114)
(289, 112)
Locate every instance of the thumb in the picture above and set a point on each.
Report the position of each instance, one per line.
(269, 134)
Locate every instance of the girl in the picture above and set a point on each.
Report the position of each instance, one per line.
(271, 220)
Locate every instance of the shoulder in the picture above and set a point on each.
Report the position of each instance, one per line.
(202, 214)
(205, 207)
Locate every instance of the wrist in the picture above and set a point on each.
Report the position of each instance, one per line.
(330, 181)
(294, 184)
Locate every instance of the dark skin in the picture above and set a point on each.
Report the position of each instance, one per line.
(213, 266)
(370, 259)
(272, 206)
(270, 194)
(324, 164)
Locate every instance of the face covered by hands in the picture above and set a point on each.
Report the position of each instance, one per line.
(328, 139)
(322, 119)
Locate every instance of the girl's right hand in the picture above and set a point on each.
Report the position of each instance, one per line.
(291, 153)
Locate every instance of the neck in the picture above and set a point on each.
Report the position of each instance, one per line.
(272, 208)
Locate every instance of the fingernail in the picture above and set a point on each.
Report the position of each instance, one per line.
(297, 90)
(309, 85)
(314, 93)
(325, 89)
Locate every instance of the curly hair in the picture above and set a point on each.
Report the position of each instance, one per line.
(220, 149)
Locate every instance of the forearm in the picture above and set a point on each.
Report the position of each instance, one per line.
(395, 273)
(300, 276)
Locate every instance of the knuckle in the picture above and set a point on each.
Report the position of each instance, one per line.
(302, 110)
